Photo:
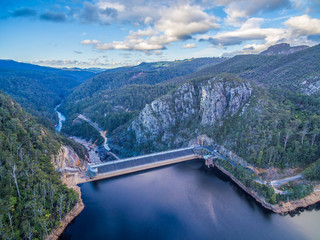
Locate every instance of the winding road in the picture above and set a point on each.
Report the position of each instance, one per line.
(102, 134)
(279, 182)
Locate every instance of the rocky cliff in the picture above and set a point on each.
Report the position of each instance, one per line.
(192, 105)
(67, 157)
(283, 49)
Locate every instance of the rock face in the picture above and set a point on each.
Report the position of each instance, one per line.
(283, 49)
(207, 103)
(61, 160)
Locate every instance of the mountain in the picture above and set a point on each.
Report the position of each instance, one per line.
(32, 197)
(37, 88)
(266, 126)
(171, 120)
(298, 72)
(116, 96)
(283, 49)
(284, 85)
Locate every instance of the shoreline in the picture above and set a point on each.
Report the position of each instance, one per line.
(71, 180)
(69, 217)
(283, 207)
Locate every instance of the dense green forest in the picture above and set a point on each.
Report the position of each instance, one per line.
(312, 172)
(279, 128)
(32, 197)
(39, 89)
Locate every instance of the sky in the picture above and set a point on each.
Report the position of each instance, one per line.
(114, 33)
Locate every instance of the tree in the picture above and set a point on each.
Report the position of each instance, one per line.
(14, 175)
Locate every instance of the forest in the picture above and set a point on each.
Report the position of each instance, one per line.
(33, 199)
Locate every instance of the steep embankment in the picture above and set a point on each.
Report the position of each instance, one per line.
(66, 158)
(33, 199)
(115, 97)
(174, 119)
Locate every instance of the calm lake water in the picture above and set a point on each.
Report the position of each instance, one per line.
(182, 201)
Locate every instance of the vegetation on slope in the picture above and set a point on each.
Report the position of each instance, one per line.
(39, 89)
(312, 172)
(278, 128)
(110, 108)
(32, 197)
(296, 71)
(115, 97)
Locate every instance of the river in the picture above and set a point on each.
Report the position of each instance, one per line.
(61, 117)
(182, 201)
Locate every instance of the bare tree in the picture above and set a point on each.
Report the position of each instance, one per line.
(10, 221)
(52, 192)
(14, 175)
(28, 233)
(271, 155)
(304, 132)
(314, 136)
(60, 206)
(288, 134)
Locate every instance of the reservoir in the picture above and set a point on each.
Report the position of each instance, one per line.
(182, 201)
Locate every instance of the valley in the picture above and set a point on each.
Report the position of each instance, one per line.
(260, 113)
(159, 119)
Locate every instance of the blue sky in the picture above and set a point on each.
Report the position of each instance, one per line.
(113, 33)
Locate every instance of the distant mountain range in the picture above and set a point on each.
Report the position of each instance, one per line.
(131, 111)
(116, 98)
(262, 108)
(39, 88)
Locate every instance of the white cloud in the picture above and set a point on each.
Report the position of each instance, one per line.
(296, 32)
(161, 23)
(239, 10)
(250, 30)
(90, 42)
(304, 25)
(92, 62)
(117, 6)
(183, 21)
(189, 45)
(177, 23)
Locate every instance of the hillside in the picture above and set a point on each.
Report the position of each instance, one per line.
(285, 89)
(299, 72)
(32, 197)
(265, 126)
(39, 89)
(238, 64)
(116, 96)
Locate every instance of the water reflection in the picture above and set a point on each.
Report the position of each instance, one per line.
(183, 201)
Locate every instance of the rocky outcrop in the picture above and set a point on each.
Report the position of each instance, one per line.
(206, 103)
(159, 116)
(222, 98)
(311, 86)
(65, 157)
(283, 49)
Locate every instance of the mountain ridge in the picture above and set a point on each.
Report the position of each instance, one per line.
(283, 49)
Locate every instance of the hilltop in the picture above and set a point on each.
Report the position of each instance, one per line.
(283, 49)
